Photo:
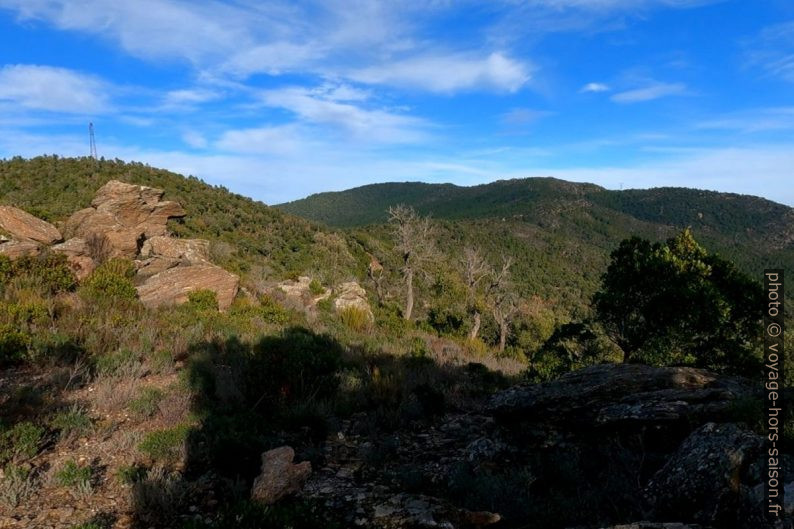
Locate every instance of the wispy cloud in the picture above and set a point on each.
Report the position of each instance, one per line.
(450, 73)
(773, 50)
(752, 121)
(53, 89)
(594, 87)
(323, 107)
(650, 92)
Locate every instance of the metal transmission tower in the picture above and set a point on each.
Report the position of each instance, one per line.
(91, 140)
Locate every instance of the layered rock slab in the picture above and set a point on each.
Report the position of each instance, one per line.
(172, 286)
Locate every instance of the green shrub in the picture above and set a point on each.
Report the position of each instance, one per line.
(356, 319)
(129, 474)
(72, 422)
(145, 405)
(272, 312)
(21, 441)
(111, 280)
(165, 446)
(74, 476)
(315, 287)
(117, 363)
(13, 344)
(49, 272)
(16, 485)
(202, 300)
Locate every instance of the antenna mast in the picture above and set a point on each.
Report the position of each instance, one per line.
(91, 140)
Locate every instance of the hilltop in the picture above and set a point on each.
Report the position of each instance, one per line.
(570, 227)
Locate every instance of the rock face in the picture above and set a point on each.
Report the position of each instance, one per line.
(14, 249)
(172, 286)
(280, 477)
(124, 215)
(298, 293)
(352, 295)
(25, 227)
(161, 253)
(710, 478)
(639, 436)
(610, 394)
(77, 255)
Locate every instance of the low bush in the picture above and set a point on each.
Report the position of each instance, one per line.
(145, 405)
(166, 446)
(71, 422)
(356, 319)
(111, 281)
(21, 441)
(16, 485)
(75, 476)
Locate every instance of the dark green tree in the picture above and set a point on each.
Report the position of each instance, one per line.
(676, 304)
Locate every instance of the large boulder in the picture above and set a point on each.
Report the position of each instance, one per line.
(352, 295)
(172, 286)
(14, 249)
(280, 477)
(188, 250)
(160, 253)
(123, 216)
(710, 479)
(78, 256)
(25, 227)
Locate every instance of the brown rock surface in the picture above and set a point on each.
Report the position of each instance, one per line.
(125, 215)
(14, 249)
(172, 286)
(24, 226)
(190, 250)
(77, 255)
(352, 295)
(280, 477)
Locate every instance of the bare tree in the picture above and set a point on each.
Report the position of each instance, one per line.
(503, 300)
(475, 270)
(375, 273)
(414, 242)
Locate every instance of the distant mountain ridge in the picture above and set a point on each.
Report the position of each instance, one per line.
(556, 218)
(530, 198)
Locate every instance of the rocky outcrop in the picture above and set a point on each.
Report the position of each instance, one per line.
(77, 255)
(710, 479)
(280, 477)
(172, 286)
(23, 226)
(124, 215)
(298, 293)
(187, 250)
(161, 253)
(14, 249)
(611, 395)
(352, 295)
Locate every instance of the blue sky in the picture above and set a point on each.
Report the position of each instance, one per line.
(277, 100)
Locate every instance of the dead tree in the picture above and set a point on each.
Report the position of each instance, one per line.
(503, 301)
(475, 270)
(414, 243)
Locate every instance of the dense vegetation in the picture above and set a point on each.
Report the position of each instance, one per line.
(569, 221)
(461, 308)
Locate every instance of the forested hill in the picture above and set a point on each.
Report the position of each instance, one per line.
(533, 198)
(563, 219)
(244, 233)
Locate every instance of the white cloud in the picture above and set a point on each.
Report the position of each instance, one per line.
(449, 73)
(53, 89)
(649, 92)
(364, 124)
(189, 96)
(518, 117)
(194, 139)
(594, 87)
(278, 140)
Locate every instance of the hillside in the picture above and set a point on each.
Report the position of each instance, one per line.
(245, 233)
(572, 226)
